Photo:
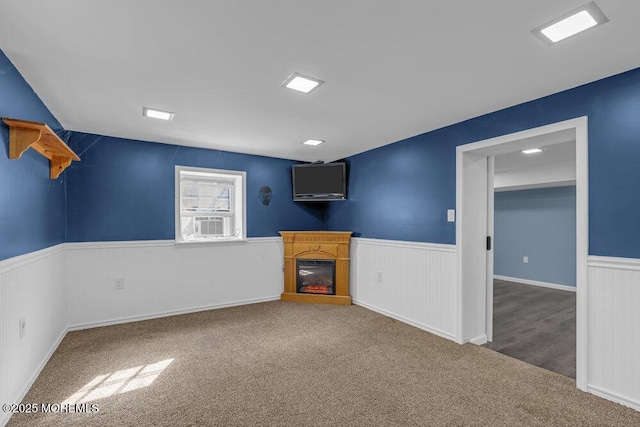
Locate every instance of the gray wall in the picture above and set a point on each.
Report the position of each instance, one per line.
(540, 224)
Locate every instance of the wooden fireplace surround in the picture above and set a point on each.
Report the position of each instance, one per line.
(330, 245)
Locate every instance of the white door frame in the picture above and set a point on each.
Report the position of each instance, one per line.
(466, 289)
(491, 160)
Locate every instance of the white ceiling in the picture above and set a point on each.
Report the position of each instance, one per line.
(393, 69)
(554, 166)
(564, 152)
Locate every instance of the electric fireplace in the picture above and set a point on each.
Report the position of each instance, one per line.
(316, 276)
(316, 266)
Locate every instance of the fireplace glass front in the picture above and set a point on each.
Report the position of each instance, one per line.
(316, 276)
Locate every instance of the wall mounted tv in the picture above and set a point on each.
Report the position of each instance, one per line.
(319, 181)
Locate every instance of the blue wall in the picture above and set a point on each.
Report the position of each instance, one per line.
(540, 224)
(125, 190)
(402, 191)
(121, 189)
(31, 205)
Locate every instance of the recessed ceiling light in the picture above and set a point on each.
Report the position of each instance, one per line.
(157, 114)
(569, 26)
(532, 151)
(301, 83)
(313, 142)
(572, 23)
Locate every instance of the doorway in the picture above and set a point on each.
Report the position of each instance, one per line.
(474, 230)
(534, 300)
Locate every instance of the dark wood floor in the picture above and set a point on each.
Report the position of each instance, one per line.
(536, 325)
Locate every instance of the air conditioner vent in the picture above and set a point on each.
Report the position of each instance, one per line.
(212, 225)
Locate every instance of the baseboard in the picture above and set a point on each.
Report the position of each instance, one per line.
(536, 283)
(158, 315)
(479, 340)
(614, 397)
(407, 321)
(6, 416)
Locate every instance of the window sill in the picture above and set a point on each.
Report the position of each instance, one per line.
(205, 242)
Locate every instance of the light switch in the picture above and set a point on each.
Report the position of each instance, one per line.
(451, 215)
(525, 259)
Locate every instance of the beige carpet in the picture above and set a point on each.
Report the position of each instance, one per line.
(300, 364)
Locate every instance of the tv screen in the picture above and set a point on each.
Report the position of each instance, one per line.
(319, 181)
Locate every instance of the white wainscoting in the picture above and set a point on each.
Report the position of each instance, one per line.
(613, 309)
(418, 284)
(72, 286)
(31, 287)
(162, 278)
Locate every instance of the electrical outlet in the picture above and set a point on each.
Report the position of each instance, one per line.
(120, 283)
(379, 276)
(22, 324)
(525, 259)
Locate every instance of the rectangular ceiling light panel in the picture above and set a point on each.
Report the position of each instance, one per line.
(157, 114)
(569, 26)
(532, 151)
(313, 142)
(571, 23)
(301, 83)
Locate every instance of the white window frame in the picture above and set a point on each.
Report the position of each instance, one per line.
(238, 201)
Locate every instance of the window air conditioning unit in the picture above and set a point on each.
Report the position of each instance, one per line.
(212, 226)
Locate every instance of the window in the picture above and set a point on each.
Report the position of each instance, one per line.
(210, 205)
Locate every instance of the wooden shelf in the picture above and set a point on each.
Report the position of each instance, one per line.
(24, 134)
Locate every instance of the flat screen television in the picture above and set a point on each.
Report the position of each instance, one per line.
(319, 181)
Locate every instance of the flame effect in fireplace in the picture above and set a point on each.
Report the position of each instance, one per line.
(316, 289)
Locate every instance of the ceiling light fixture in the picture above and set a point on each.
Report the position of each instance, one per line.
(532, 151)
(571, 23)
(157, 114)
(569, 26)
(313, 142)
(301, 83)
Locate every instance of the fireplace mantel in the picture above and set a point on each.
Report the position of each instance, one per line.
(317, 245)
